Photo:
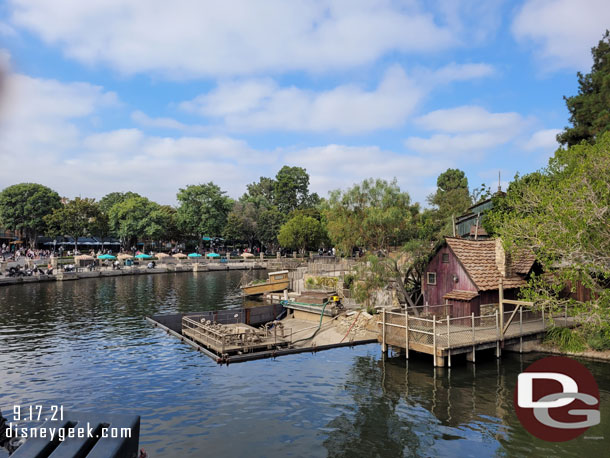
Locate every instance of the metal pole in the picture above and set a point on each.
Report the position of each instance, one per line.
(448, 344)
(434, 339)
(406, 333)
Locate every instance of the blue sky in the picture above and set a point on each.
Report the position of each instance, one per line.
(150, 96)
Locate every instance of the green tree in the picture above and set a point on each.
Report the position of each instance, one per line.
(452, 196)
(77, 218)
(301, 233)
(374, 215)
(291, 190)
(562, 213)
(24, 206)
(161, 224)
(268, 225)
(241, 223)
(131, 219)
(109, 200)
(203, 210)
(590, 109)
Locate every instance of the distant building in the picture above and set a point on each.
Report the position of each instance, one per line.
(470, 224)
(465, 274)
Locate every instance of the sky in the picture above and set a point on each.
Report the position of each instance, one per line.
(151, 96)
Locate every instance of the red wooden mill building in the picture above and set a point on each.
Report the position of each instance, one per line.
(466, 274)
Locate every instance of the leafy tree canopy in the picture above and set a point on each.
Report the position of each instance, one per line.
(77, 218)
(562, 214)
(374, 214)
(203, 210)
(590, 108)
(301, 233)
(24, 206)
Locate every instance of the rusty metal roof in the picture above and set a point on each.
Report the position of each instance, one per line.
(479, 259)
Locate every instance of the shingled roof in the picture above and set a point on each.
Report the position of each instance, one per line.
(479, 259)
(461, 295)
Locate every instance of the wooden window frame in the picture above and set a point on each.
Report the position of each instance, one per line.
(445, 258)
(428, 275)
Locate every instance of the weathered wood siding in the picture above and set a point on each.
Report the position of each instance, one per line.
(433, 294)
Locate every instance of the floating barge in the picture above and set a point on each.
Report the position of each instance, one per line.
(277, 281)
(229, 336)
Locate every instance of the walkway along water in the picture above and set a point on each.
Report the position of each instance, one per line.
(436, 333)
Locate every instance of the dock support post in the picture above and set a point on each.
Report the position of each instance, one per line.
(434, 339)
(520, 329)
(501, 306)
(406, 333)
(473, 357)
(384, 347)
(497, 335)
(543, 324)
(448, 343)
(565, 315)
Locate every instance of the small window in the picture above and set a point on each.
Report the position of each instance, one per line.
(432, 278)
(445, 258)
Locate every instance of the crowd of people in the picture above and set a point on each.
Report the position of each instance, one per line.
(9, 254)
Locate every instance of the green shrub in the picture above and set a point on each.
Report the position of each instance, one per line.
(566, 339)
(599, 340)
(348, 281)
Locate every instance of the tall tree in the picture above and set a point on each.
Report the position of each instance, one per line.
(241, 223)
(301, 232)
(131, 219)
(452, 196)
(24, 206)
(268, 225)
(291, 190)
(203, 210)
(562, 213)
(109, 200)
(77, 218)
(590, 109)
(374, 214)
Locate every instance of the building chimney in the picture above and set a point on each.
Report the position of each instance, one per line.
(502, 260)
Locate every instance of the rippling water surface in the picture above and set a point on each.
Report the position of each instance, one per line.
(85, 345)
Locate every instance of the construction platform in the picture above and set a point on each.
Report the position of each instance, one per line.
(229, 336)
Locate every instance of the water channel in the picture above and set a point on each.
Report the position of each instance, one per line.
(85, 345)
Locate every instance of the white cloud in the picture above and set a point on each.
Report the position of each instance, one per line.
(262, 104)
(458, 72)
(470, 118)
(466, 129)
(340, 166)
(191, 38)
(564, 31)
(543, 140)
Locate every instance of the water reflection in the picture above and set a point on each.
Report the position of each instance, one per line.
(408, 408)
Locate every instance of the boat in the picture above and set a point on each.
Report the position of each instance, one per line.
(277, 281)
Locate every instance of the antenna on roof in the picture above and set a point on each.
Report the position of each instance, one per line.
(499, 185)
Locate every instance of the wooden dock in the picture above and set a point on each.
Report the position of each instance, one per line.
(444, 336)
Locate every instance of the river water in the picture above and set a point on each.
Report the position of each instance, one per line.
(85, 345)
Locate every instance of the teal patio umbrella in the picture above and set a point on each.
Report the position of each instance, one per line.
(194, 255)
(106, 256)
(213, 255)
(143, 256)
